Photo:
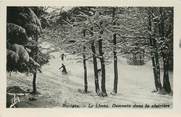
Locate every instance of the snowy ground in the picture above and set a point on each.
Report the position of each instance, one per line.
(135, 86)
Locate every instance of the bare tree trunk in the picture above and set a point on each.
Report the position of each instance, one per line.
(154, 71)
(115, 57)
(154, 57)
(166, 82)
(115, 66)
(103, 80)
(157, 66)
(35, 73)
(34, 83)
(85, 72)
(85, 68)
(95, 69)
(164, 53)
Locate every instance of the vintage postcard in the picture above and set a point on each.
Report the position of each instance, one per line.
(85, 55)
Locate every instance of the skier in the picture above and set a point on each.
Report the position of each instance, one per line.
(62, 56)
(64, 70)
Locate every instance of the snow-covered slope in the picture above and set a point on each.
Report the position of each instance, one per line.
(135, 85)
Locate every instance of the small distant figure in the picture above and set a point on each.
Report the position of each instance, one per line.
(62, 56)
(64, 70)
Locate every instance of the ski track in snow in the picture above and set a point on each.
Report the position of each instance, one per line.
(135, 85)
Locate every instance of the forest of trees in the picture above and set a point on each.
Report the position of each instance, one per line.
(95, 34)
(104, 33)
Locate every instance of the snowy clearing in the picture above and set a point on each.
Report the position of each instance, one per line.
(135, 86)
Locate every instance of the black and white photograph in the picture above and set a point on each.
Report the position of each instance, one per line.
(89, 57)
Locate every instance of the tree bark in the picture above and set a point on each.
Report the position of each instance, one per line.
(154, 71)
(154, 57)
(157, 66)
(85, 68)
(103, 80)
(166, 82)
(85, 75)
(164, 53)
(35, 73)
(95, 69)
(115, 57)
(115, 66)
(34, 83)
